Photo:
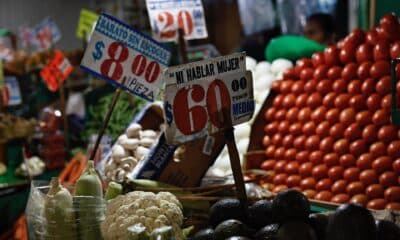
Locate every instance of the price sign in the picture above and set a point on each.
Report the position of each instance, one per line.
(87, 19)
(117, 51)
(45, 34)
(198, 94)
(166, 17)
(11, 93)
(56, 71)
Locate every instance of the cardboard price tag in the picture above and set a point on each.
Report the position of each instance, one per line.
(117, 52)
(11, 92)
(197, 95)
(56, 71)
(167, 16)
(87, 19)
(45, 34)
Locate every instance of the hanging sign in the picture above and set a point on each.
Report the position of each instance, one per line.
(166, 17)
(11, 92)
(87, 20)
(117, 52)
(200, 96)
(56, 71)
(45, 34)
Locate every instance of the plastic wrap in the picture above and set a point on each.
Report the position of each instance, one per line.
(83, 218)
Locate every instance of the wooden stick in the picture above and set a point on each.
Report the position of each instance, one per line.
(372, 13)
(63, 114)
(182, 46)
(106, 120)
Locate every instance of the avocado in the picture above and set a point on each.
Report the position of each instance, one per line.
(227, 209)
(318, 222)
(230, 228)
(238, 238)
(260, 214)
(387, 230)
(353, 222)
(290, 205)
(296, 230)
(267, 233)
(204, 234)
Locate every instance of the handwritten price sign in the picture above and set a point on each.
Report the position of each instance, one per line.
(197, 94)
(166, 17)
(116, 52)
(56, 71)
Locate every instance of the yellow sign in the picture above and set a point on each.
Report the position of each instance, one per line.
(1, 74)
(87, 19)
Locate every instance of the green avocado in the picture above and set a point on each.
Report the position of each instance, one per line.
(230, 228)
(296, 230)
(353, 222)
(290, 205)
(260, 214)
(387, 230)
(226, 209)
(318, 222)
(204, 234)
(267, 233)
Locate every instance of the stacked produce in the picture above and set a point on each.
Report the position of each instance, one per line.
(288, 217)
(329, 131)
(12, 127)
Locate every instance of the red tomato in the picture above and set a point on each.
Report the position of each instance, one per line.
(382, 164)
(317, 59)
(373, 102)
(351, 174)
(332, 116)
(339, 86)
(368, 86)
(340, 198)
(314, 100)
(386, 102)
(389, 18)
(270, 114)
(356, 37)
(357, 102)
(308, 183)
(368, 177)
(279, 153)
(381, 117)
(347, 55)
(354, 188)
(293, 181)
(372, 37)
(323, 196)
(381, 51)
(337, 130)
(342, 101)
(286, 86)
(329, 100)
(377, 149)
(396, 166)
(377, 204)
(270, 151)
(353, 131)
(354, 87)
(387, 133)
(298, 87)
(364, 53)
(388, 179)
(309, 128)
(304, 114)
(339, 187)
(341, 146)
(326, 145)
(295, 129)
(280, 166)
(335, 173)
(271, 128)
(280, 178)
(305, 169)
(280, 114)
(304, 62)
(266, 141)
(292, 167)
(302, 157)
(309, 193)
(334, 73)
(312, 143)
(395, 50)
(347, 160)
(289, 100)
(290, 155)
(383, 86)
(331, 55)
(363, 118)
(360, 199)
(323, 184)
(306, 74)
(374, 191)
(320, 171)
(320, 72)
(393, 206)
(380, 69)
(268, 164)
(363, 70)
(358, 147)
(291, 114)
(316, 157)
(310, 86)
(283, 127)
(276, 86)
(324, 86)
(301, 100)
(322, 129)
(299, 142)
(318, 114)
(279, 188)
(287, 141)
(393, 149)
(277, 102)
(331, 159)
(392, 194)
(349, 71)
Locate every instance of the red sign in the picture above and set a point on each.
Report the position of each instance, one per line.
(56, 71)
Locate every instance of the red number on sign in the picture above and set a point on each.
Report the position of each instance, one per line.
(152, 72)
(139, 65)
(105, 67)
(167, 30)
(190, 119)
(218, 101)
(185, 22)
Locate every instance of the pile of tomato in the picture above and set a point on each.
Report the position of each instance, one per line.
(329, 131)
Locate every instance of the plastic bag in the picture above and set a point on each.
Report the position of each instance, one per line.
(256, 15)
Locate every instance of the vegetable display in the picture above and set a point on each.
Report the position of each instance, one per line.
(329, 132)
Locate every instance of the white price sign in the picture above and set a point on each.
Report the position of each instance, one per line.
(167, 16)
(117, 52)
(197, 94)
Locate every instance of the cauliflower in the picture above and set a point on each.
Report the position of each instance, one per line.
(145, 209)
